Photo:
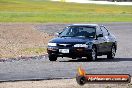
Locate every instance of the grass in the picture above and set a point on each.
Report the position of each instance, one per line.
(38, 51)
(46, 11)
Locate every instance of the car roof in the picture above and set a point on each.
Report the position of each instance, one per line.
(84, 25)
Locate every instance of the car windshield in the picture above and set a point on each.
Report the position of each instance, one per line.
(78, 31)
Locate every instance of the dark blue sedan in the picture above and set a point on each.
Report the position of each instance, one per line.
(82, 40)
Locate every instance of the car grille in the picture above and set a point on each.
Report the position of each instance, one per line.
(65, 45)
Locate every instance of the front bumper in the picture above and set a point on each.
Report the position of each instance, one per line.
(73, 52)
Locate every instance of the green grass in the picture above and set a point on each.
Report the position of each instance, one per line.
(45, 11)
(34, 50)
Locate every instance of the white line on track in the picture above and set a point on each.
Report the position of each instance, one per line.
(96, 2)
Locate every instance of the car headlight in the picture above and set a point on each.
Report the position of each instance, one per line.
(52, 44)
(80, 45)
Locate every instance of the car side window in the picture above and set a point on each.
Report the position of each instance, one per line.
(104, 30)
(98, 30)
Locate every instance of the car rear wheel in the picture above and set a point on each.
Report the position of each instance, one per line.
(93, 55)
(111, 55)
(52, 57)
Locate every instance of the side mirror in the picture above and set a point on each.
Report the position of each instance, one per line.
(100, 35)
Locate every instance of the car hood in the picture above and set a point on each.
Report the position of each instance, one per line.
(73, 40)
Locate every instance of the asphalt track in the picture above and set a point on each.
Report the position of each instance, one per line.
(40, 68)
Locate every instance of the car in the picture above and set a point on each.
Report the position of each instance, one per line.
(82, 40)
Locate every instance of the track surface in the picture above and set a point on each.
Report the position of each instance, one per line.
(41, 68)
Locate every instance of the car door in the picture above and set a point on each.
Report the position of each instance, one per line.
(100, 41)
(107, 39)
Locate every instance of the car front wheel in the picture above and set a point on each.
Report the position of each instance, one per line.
(111, 55)
(52, 57)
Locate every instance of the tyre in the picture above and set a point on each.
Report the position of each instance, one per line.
(111, 55)
(52, 57)
(93, 55)
(81, 80)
